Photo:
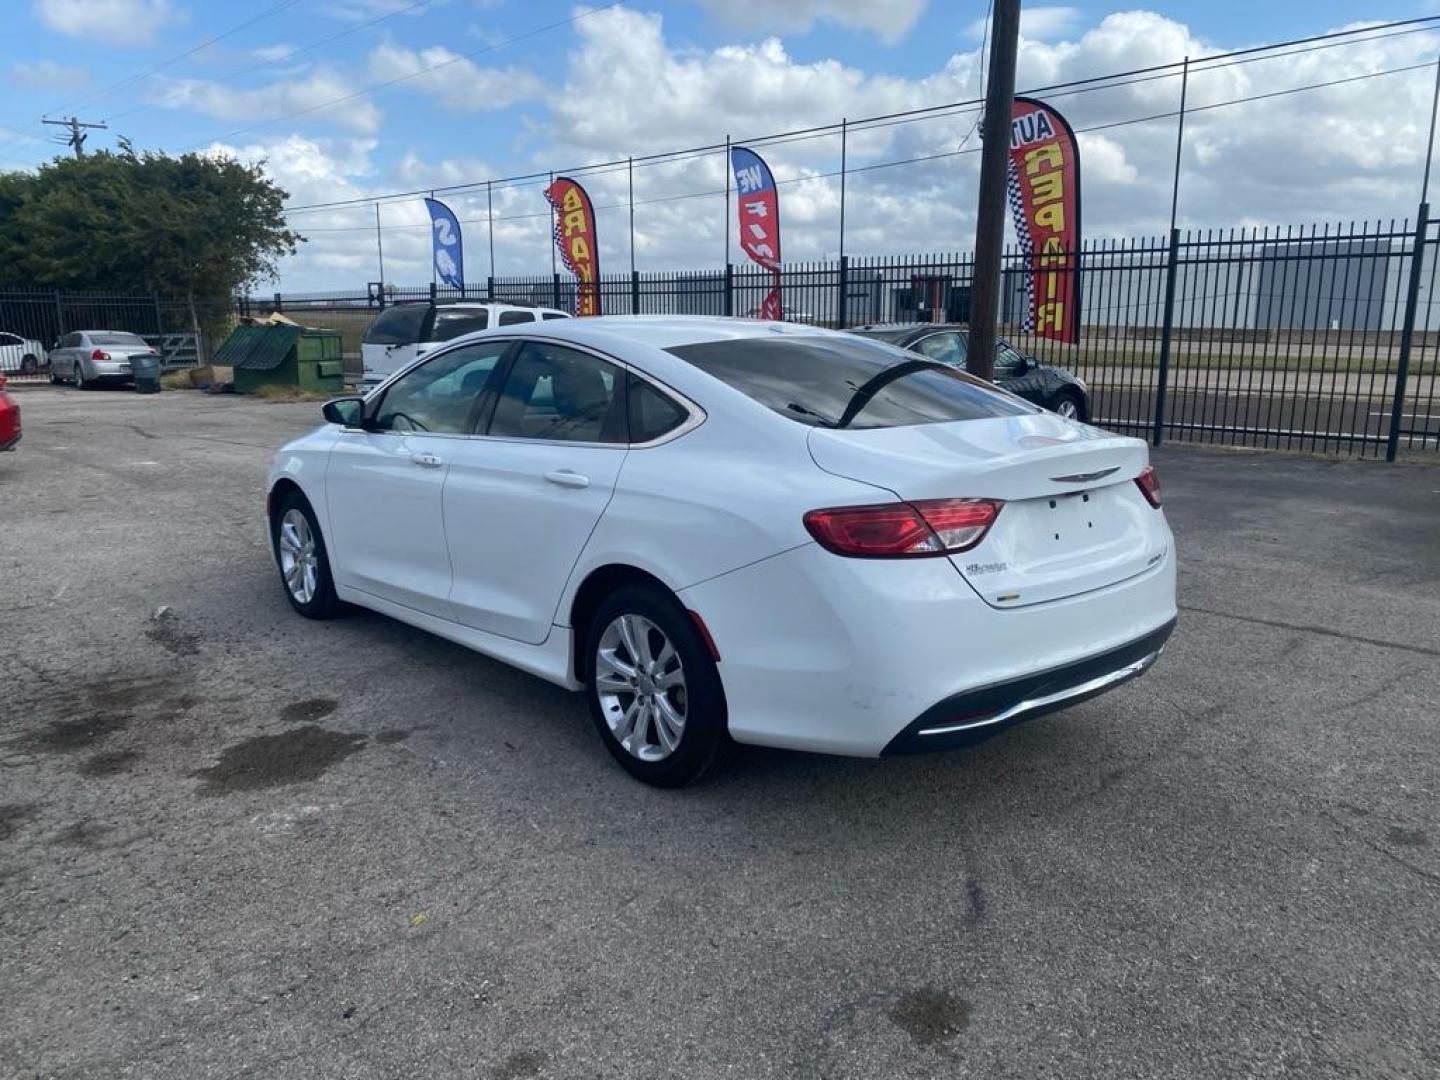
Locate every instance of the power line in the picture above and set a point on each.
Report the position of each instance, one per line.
(1112, 80)
(578, 16)
(275, 9)
(290, 56)
(915, 160)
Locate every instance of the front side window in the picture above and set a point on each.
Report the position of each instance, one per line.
(1007, 360)
(451, 323)
(401, 325)
(558, 393)
(441, 396)
(510, 318)
(847, 382)
(71, 341)
(946, 348)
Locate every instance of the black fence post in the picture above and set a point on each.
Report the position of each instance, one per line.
(279, 303)
(556, 304)
(729, 288)
(634, 292)
(59, 315)
(432, 292)
(159, 322)
(841, 301)
(490, 287)
(1407, 330)
(1163, 376)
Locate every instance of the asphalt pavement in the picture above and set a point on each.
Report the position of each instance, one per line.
(236, 843)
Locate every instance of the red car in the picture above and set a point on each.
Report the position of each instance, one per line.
(9, 419)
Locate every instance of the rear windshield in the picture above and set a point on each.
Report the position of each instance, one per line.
(118, 339)
(400, 325)
(892, 335)
(847, 382)
(451, 323)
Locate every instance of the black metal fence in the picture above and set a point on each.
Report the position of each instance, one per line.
(1321, 339)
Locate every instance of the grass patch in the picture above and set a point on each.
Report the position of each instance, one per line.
(289, 393)
(176, 380)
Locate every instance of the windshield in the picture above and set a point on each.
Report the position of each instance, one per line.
(847, 382)
(118, 339)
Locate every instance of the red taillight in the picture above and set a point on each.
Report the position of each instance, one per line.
(99, 354)
(903, 530)
(1149, 484)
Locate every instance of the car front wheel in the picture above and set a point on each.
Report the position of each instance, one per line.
(655, 692)
(301, 556)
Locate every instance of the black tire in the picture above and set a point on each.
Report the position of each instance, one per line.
(54, 379)
(705, 735)
(29, 365)
(1073, 398)
(323, 603)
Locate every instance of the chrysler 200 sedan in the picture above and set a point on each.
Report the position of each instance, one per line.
(728, 529)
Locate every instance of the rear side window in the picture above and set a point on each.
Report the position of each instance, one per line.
(555, 393)
(652, 414)
(510, 318)
(400, 325)
(554, 315)
(847, 382)
(452, 322)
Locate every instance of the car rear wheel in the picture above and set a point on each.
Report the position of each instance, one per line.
(655, 693)
(300, 554)
(77, 373)
(1069, 405)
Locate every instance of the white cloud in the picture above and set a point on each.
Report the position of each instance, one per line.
(457, 83)
(1323, 155)
(271, 53)
(1039, 23)
(48, 75)
(115, 22)
(891, 19)
(309, 96)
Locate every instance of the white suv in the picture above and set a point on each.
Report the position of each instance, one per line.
(405, 332)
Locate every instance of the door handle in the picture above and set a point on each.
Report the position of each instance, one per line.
(428, 461)
(567, 478)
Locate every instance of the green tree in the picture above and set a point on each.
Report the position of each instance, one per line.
(194, 227)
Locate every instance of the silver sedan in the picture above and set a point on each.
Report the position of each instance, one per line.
(87, 357)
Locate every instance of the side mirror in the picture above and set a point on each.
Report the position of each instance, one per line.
(346, 411)
(1023, 365)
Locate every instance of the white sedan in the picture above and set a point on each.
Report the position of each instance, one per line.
(730, 529)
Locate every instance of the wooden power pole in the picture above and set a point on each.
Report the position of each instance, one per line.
(77, 134)
(993, 206)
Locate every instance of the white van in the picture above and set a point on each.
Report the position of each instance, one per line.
(405, 332)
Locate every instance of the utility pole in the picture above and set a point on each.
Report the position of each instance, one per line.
(990, 214)
(77, 135)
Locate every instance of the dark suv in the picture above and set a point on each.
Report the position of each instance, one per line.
(1050, 387)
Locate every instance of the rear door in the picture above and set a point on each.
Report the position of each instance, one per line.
(384, 484)
(521, 502)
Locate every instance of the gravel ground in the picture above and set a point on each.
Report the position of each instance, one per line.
(236, 843)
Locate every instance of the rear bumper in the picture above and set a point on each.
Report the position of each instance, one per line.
(841, 656)
(973, 716)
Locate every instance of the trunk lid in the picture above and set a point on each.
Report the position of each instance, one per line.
(1073, 519)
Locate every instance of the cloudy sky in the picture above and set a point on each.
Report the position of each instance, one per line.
(352, 98)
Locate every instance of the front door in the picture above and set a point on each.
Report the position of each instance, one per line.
(384, 483)
(521, 503)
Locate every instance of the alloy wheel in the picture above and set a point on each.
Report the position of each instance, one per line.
(1066, 408)
(299, 558)
(640, 682)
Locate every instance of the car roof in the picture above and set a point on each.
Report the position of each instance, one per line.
(668, 331)
(908, 327)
